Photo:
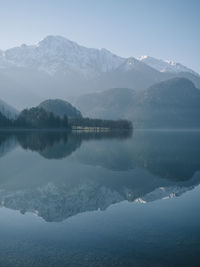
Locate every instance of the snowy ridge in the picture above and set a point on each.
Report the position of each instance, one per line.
(54, 203)
(58, 55)
(164, 193)
(165, 65)
(57, 202)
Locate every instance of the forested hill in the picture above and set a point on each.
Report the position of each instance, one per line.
(60, 108)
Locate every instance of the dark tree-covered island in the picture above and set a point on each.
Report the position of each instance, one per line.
(39, 118)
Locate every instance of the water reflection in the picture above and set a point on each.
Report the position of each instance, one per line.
(172, 155)
(50, 146)
(55, 144)
(91, 171)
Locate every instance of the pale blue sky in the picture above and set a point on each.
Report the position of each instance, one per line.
(161, 28)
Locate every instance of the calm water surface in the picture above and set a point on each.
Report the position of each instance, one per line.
(112, 199)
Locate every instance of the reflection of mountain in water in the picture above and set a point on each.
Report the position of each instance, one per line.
(172, 155)
(56, 202)
(55, 144)
(104, 169)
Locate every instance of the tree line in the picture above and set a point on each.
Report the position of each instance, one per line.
(38, 118)
(34, 118)
(99, 123)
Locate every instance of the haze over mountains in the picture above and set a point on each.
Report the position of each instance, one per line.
(59, 68)
(148, 91)
(7, 110)
(171, 103)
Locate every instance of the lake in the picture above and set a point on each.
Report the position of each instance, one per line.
(100, 199)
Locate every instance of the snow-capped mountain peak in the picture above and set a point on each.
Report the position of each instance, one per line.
(56, 54)
(165, 65)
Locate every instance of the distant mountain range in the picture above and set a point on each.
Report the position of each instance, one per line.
(172, 103)
(56, 54)
(148, 91)
(59, 68)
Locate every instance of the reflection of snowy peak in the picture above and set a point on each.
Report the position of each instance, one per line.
(54, 203)
(59, 202)
(165, 65)
(164, 193)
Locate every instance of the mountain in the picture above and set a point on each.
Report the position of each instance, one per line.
(59, 68)
(7, 110)
(112, 104)
(57, 54)
(165, 65)
(171, 103)
(60, 108)
(130, 74)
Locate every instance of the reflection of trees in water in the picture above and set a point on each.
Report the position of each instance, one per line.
(57, 201)
(56, 197)
(57, 144)
(7, 143)
(95, 135)
(51, 145)
(38, 141)
(3, 138)
(172, 155)
(54, 145)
